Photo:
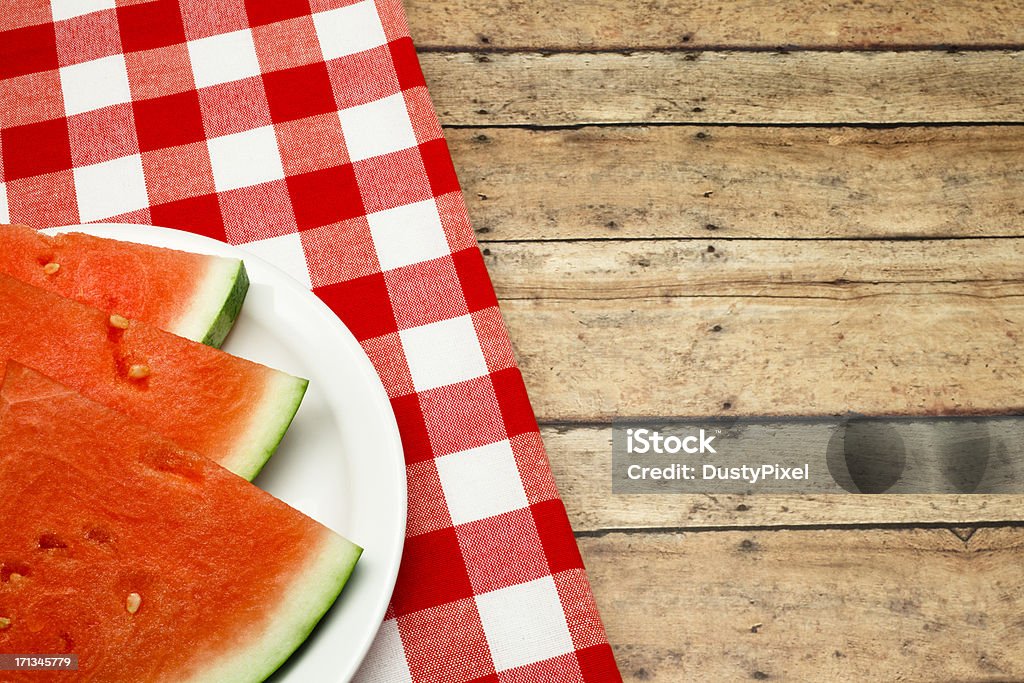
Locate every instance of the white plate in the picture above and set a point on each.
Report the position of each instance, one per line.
(341, 462)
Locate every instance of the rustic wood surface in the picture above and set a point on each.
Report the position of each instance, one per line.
(740, 207)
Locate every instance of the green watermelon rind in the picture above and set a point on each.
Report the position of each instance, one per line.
(217, 303)
(302, 606)
(270, 421)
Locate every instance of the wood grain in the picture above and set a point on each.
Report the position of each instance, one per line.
(698, 181)
(668, 24)
(843, 270)
(697, 356)
(726, 87)
(581, 462)
(917, 605)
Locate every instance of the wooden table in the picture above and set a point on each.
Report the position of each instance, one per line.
(743, 207)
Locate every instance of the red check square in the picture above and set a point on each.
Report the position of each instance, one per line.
(476, 283)
(28, 50)
(200, 215)
(325, 196)
(299, 92)
(597, 663)
(407, 64)
(362, 304)
(553, 526)
(413, 428)
(516, 411)
(268, 11)
(37, 148)
(432, 573)
(168, 121)
(150, 25)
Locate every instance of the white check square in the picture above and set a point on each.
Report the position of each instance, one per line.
(245, 159)
(482, 482)
(111, 188)
(377, 128)
(223, 58)
(69, 9)
(408, 234)
(95, 84)
(5, 213)
(347, 30)
(524, 623)
(286, 253)
(384, 661)
(444, 352)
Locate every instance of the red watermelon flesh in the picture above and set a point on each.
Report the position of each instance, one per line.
(149, 562)
(192, 295)
(228, 409)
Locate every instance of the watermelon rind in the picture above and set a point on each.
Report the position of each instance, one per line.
(270, 420)
(301, 607)
(216, 304)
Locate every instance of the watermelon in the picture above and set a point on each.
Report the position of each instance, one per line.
(194, 296)
(230, 410)
(149, 562)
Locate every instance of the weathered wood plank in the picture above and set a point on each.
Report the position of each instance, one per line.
(831, 269)
(581, 461)
(587, 360)
(917, 605)
(613, 24)
(692, 181)
(726, 87)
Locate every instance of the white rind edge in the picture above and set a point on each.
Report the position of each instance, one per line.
(310, 595)
(209, 300)
(274, 412)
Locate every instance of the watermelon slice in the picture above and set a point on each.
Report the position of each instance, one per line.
(149, 562)
(194, 296)
(230, 410)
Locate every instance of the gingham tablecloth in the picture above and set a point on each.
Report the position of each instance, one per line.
(302, 129)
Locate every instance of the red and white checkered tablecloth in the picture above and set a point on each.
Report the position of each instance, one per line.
(302, 129)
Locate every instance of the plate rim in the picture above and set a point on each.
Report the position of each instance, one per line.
(395, 548)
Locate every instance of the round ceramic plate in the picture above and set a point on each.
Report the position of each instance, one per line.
(341, 462)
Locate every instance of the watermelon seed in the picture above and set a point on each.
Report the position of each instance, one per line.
(120, 322)
(98, 535)
(51, 541)
(133, 602)
(51, 268)
(4, 623)
(138, 371)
